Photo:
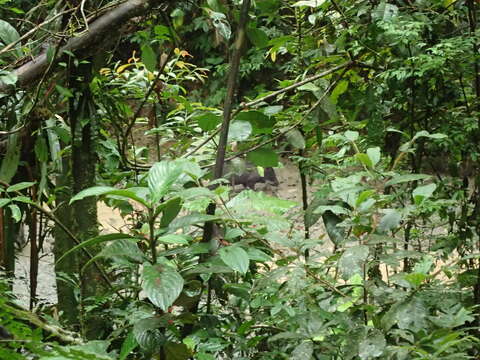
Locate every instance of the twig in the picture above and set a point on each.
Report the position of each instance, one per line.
(82, 11)
(32, 31)
(296, 85)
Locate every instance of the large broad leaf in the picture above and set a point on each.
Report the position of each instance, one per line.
(8, 35)
(336, 233)
(20, 186)
(123, 251)
(174, 239)
(108, 190)
(374, 154)
(257, 37)
(95, 241)
(304, 351)
(398, 179)
(373, 346)
(235, 257)
(263, 157)
(221, 24)
(423, 192)
(385, 11)
(128, 345)
(170, 210)
(4, 202)
(16, 212)
(239, 130)
(389, 221)
(161, 177)
(11, 159)
(296, 139)
(352, 261)
(8, 78)
(147, 333)
(97, 349)
(176, 351)
(407, 315)
(208, 121)
(261, 123)
(309, 3)
(162, 284)
(149, 58)
(250, 201)
(188, 220)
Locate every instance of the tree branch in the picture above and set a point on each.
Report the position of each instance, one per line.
(96, 34)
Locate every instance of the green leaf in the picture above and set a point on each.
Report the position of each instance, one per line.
(263, 157)
(170, 210)
(149, 58)
(272, 110)
(173, 239)
(20, 186)
(389, 221)
(351, 135)
(398, 179)
(373, 346)
(41, 149)
(261, 123)
(353, 260)
(176, 351)
(385, 11)
(188, 220)
(66, 93)
(8, 78)
(161, 176)
(295, 138)
(8, 35)
(304, 351)
(11, 159)
(23, 199)
(4, 202)
(374, 155)
(123, 251)
(309, 3)
(162, 284)
(16, 212)
(221, 24)
(95, 241)
(241, 290)
(364, 159)
(339, 90)
(235, 257)
(208, 121)
(408, 315)
(415, 279)
(336, 209)
(147, 333)
(257, 37)
(108, 190)
(239, 130)
(424, 133)
(423, 192)
(128, 345)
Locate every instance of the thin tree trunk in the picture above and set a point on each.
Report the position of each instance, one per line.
(67, 301)
(84, 160)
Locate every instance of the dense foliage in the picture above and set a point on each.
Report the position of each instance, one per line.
(375, 103)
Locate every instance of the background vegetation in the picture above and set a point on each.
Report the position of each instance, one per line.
(141, 103)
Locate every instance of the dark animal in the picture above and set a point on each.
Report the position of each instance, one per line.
(251, 177)
(4, 334)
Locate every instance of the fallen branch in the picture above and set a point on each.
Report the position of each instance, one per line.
(91, 38)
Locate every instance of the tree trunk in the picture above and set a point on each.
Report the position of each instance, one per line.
(84, 212)
(67, 301)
